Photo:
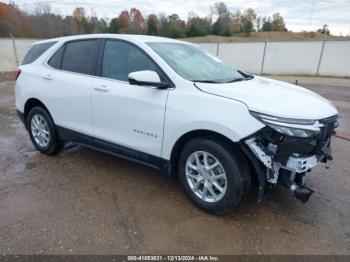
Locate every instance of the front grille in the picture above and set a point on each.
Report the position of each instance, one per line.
(330, 123)
(324, 138)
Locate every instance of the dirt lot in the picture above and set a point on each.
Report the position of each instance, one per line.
(84, 202)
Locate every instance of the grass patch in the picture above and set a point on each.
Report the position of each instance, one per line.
(264, 36)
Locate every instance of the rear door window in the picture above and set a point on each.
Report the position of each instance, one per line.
(80, 56)
(35, 51)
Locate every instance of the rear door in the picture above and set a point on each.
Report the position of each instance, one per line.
(67, 81)
(128, 115)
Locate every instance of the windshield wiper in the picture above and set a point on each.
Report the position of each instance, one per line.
(249, 77)
(236, 80)
(246, 76)
(206, 81)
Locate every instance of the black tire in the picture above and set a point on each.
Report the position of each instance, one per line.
(235, 167)
(54, 145)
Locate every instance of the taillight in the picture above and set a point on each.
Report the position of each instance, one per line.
(17, 73)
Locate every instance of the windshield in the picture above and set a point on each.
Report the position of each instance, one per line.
(195, 64)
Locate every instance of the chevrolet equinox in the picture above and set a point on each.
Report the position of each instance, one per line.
(174, 107)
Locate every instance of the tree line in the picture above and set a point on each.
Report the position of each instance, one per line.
(43, 23)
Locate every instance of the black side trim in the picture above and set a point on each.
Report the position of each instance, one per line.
(259, 169)
(113, 149)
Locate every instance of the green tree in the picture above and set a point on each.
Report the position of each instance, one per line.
(114, 26)
(172, 26)
(223, 25)
(248, 18)
(102, 26)
(247, 26)
(197, 26)
(266, 24)
(152, 25)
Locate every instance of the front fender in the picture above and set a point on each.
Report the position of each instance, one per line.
(203, 111)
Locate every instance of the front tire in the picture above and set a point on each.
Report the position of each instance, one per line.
(212, 175)
(42, 131)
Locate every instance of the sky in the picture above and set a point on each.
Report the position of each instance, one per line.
(299, 15)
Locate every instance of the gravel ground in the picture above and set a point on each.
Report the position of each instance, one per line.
(84, 202)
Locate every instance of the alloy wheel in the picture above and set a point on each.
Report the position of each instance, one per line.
(206, 176)
(40, 130)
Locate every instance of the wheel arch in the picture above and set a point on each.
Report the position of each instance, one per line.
(203, 133)
(33, 102)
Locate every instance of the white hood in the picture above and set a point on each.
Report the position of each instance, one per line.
(274, 97)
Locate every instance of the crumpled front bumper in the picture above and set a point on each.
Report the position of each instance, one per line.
(301, 164)
(274, 155)
(290, 159)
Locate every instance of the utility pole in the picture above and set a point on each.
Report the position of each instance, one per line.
(14, 48)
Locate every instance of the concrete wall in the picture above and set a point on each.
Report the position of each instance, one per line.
(244, 56)
(303, 57)
(336, 59)
(7, 52)
(292, 57)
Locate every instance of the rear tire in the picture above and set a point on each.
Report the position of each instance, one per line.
(228, 180)
(42, 131)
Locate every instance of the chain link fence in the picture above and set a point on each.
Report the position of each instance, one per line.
(327, 58)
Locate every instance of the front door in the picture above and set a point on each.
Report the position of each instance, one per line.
(131, 116)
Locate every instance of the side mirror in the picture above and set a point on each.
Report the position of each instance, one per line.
(146, 78)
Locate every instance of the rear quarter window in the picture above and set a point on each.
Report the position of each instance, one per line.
(56, 60)
(36, 51)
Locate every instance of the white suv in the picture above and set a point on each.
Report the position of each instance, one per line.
(173, 106)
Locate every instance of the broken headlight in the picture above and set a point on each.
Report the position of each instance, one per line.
(290, 127)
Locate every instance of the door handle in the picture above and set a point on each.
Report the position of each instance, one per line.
(101, 88)
(47, 77)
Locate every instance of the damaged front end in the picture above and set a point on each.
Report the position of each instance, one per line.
(285, 149)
